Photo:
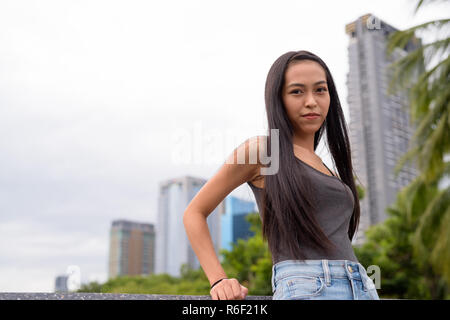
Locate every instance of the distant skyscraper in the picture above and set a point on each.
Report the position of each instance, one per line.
(380, 128)
(234, 225)
(131, 248)
(61, 283)
(172, 246)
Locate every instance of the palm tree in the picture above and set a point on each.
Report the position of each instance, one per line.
(429, 96)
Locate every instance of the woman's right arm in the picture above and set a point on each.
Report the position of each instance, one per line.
(230, 175)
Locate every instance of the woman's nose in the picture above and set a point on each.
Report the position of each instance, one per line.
(310, 101)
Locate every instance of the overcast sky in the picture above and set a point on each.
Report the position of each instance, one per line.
(92, 94)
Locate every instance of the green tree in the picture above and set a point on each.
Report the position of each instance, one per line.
(429, 96)
(190, 282)
(389, 245)
(94, 287)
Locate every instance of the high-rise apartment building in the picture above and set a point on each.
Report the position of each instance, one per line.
(131, 250)
(234, 225)
(380, 128)
(61, 283)
(172, 245)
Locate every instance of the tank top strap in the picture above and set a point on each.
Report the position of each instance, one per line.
(328, 169)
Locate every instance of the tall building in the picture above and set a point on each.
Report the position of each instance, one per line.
(61, 283)
(172, 245)
(380, 128)
(131, 250)
(234, 224)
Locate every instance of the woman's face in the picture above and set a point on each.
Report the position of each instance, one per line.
(305, 91)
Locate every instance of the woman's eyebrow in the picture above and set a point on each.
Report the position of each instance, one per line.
(302, 85)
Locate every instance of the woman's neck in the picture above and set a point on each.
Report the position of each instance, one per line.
(304, 149)
(305, 143)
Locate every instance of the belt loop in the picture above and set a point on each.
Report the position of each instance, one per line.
(326, 272)
(364, 276)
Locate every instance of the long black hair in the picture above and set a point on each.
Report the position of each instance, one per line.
(288, 199)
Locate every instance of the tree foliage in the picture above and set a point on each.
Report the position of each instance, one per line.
(425, 74)
(405, 273)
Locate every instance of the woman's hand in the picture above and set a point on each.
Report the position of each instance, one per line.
(229, 289)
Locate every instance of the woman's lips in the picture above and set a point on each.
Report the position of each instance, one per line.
(311, 116)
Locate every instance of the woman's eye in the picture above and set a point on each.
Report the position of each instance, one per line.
(322, 90)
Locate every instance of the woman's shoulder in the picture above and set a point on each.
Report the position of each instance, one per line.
(244, 162)
(257, 146)
(248, 153)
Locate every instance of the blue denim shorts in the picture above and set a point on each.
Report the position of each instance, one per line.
(321, 280)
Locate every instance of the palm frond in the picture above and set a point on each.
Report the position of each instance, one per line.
(411, 192)
(425, 236)
(430, 119)
(440, 254)
(400, 38)
(432, 155)
(408, 157)
(421, 3)
(411, 68)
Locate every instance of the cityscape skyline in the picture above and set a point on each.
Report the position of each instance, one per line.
(132, 249)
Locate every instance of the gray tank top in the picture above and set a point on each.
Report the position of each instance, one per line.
(335, 208)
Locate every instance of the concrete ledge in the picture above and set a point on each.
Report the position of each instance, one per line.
(105, 296)
(110, 296)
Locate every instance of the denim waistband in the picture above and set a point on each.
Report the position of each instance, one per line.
(326, 269)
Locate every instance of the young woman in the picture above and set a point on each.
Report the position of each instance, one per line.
(309, 214)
